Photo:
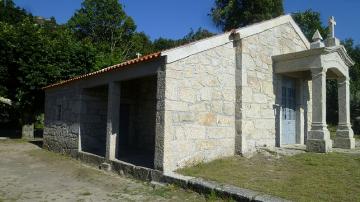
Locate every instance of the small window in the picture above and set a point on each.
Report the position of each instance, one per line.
(58, 113)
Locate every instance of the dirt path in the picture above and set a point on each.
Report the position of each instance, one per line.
(28, 173)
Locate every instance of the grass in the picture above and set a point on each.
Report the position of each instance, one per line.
(304, 177)
(332, 130)
(86, 193)
(13, 141)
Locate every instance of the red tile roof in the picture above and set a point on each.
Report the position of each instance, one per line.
(107, 69)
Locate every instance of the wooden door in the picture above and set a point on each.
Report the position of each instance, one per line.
(288, 112)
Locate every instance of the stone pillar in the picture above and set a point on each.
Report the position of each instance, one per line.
(27, 131)
(160, 121)
(344, 134)
(319, 136)
(113, 115)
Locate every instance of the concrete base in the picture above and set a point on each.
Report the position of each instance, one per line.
(105, 166)
(319, 146)
(344, 143)
(332, 42)
(344, 137)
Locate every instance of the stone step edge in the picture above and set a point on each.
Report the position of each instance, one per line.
(198, 185)
(202, 186)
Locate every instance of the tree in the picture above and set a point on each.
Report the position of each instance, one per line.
(195, 36)
(309, 21)
(141, 44)
(163, 44)
(33, 56)
(11, 14)
(354, 72)
(105, 24)
(230, 14)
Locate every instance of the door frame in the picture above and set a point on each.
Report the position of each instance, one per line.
(301, 104)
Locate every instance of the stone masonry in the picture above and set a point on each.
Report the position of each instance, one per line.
(200, 108)
(61, 132)
(259, 85)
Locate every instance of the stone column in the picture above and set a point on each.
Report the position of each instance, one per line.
(160, 121)
(344, 134)
(27, 131)
(113, 115)
(319, 136)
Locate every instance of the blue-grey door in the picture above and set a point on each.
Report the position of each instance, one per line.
(288, 131)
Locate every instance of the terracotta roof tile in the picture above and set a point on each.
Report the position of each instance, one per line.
(111, 68)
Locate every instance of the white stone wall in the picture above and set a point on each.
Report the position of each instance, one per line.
(259, 83)
(199, 108)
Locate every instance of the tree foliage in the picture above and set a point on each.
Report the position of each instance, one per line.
(231, 14)
(309, 21)
(33, 56)
(10, 13)
(354, 52)
(163, 44)
(105, 24)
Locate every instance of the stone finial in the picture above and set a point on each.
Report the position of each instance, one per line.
(332, 40)
(317, 40)
(317, 36)
(138, 55)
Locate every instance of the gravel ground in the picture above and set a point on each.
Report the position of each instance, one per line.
(28, 173)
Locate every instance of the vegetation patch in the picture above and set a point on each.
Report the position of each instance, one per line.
(304, 177)
(86, 193)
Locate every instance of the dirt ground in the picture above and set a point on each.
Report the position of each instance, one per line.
(28, 173)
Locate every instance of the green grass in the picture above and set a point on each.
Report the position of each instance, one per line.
(332, 130)
(304, 177)
(86, 193)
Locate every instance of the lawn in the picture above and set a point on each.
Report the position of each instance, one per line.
(304, 177)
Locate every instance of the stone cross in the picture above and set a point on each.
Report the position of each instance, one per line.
(332, 24)
(138, 55)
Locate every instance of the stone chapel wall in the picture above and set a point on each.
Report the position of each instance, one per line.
(260, 83)
(200, 108)
(93, 120)
(62, 114)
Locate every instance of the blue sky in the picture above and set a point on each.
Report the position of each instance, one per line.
(174, 18)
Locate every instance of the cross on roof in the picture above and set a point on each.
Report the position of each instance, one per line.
(138, 55)
(332, 24)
